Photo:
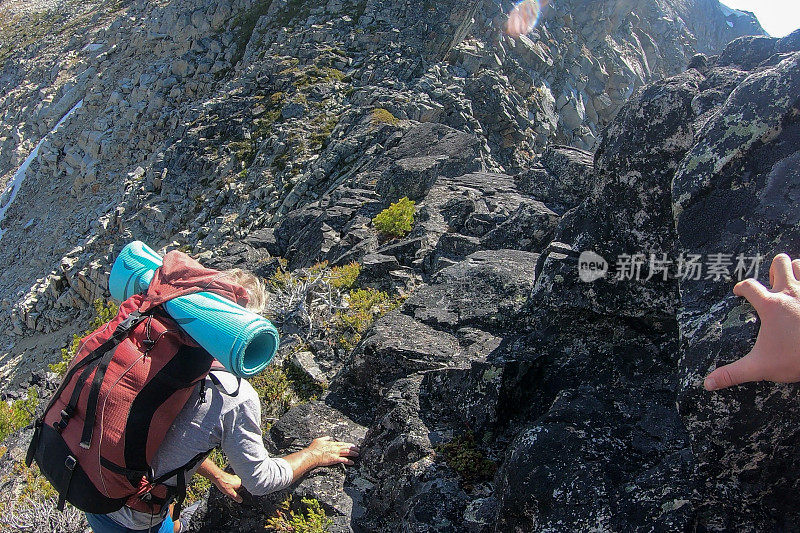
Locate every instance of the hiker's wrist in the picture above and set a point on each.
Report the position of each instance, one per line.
(314, 457)
(301, 462)
(217, 477)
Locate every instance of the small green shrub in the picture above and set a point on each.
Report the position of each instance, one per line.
(272, 386)
(365, 306)
(312, 520)
(280, 387)
(104, 311)
(315, 75)
(384, 116)
(36, 487)
(341, 278)
(196, 489)
(462, 455)
(344, 277)
(244, 150)
(281, 279)
(17, 414)
(397, 219)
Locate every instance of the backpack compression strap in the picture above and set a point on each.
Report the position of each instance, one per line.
(180, 477)
(88, 362)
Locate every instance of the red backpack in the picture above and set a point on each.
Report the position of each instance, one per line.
(97, 437)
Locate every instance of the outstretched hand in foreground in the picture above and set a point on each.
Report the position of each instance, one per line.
(776, 353)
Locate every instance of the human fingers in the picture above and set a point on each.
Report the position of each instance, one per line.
(349, 451)
(514, 25)
(229, 489)
(342, 443)
(755, 293)
(234, 495)
(780, 272)
(796, 269)
(345, 448)
(233, 484)
(740, 371)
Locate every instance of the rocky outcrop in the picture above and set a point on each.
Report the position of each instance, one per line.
(734, 193)
(202, 123)
(572, 387)
(703, 139)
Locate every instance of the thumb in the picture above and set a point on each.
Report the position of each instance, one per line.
(233, 494)
(741, 371)
(236, 484)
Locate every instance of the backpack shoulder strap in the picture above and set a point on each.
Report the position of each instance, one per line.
(88, 363)
(218, 384)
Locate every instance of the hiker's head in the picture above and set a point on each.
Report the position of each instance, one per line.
(256, 290)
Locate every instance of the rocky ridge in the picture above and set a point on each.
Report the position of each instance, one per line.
(569, 388)
(202, 123)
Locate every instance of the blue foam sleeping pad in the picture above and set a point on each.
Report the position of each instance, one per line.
(242, 341)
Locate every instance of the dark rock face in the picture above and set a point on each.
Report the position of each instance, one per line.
(424, 153)
(710, 160)
(485, 290)
(398, 346)
(552, 478)
(586, 396)
(634, 165)
(736, 192)
(332, 228)
(564, 177)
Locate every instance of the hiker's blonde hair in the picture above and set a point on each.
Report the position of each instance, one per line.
(255, 288)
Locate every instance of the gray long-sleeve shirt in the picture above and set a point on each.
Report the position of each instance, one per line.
(231, 422)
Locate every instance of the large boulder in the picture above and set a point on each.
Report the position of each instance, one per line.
(736, 192)
(425, 152)
(398, 346)
(485, 290)
(627, 220)
(598, 460)
(563, 178)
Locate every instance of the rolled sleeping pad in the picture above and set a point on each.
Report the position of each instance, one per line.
(133, 270)
(241, 340)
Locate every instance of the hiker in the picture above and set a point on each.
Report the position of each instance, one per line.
(775, 355)
(142, 405)
(225, 412)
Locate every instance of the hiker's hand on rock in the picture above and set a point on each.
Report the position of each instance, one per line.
(776, 354)
(327, 451)
(228, 484)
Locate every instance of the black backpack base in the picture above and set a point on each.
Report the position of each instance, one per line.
(60, 468)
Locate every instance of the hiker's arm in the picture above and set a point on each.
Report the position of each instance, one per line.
(227, 483)
(260, 473)
(323, 451)
(243, 445)
(776, 354)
